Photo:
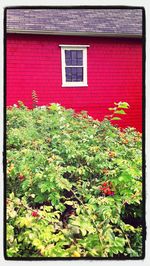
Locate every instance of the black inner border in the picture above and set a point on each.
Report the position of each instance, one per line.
(143, 130)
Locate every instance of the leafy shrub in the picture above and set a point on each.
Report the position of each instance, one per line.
(118, 109)
(71, 183)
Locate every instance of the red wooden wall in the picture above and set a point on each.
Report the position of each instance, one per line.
(114, 74)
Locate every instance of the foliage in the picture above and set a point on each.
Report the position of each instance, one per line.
(34, 98)
(118, 109)
(70, 183)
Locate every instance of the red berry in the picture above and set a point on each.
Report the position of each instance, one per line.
(21, 177)
(109, 192)
(35, 214)
(104, 184)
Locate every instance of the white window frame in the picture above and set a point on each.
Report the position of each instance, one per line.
(63, 65)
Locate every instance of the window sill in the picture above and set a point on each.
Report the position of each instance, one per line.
(74, 85)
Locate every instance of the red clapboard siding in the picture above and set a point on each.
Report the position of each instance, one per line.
(114, 74)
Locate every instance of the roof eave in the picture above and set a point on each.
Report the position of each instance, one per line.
(94, 34)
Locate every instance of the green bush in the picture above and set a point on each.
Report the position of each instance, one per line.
(74, 185)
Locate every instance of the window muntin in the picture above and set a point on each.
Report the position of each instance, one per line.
(74, 65)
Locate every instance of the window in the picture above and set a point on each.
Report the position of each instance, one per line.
(74, 65)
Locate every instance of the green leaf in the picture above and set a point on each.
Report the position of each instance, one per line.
(114, 250)
(40, 198)
(125, 176)
(68, 202)
(119, 242)
(36, 242)
(61, 207)
(121, 112)
(25, 221)
(123, 105)
(12, 196)
(132, 252)
(112, 109)
(25, 184)
(55, 198)
(65, 184)
(83, 231)
(78, 210)
(116, 118)
(45, 186)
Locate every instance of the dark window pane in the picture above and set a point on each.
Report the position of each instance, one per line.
(79, 58)
(74, 62)
(74, 54)
(67, 54)
(80, 74)
(74, 70)
(68, 57)
(79, 54)
(68, 74)
(74, 57)
(79, 62)
(68, 62)
(74, 74)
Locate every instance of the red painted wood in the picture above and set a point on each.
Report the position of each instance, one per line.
(114, 74)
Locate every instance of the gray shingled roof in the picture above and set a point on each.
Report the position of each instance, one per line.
(76, 21)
